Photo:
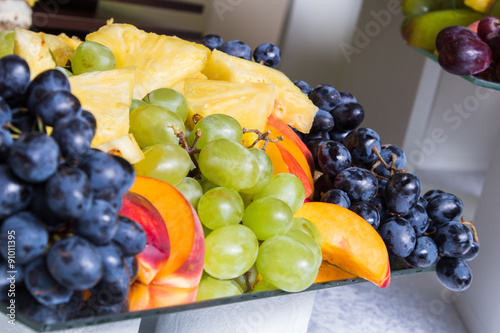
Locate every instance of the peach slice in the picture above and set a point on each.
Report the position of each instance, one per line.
(177, 215)
(145, 297)
(289, 136)
(157, 250)
(328, 272)
(189, 274)
(349, 242)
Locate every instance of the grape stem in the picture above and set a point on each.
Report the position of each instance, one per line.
(8, 125)
(474, 231)
(262, 137)
(190, 149)
(391, 167)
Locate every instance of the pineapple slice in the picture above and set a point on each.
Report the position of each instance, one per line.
(161, 61)
(71, 41)
(249, 103)
(293, 107)
(34, 49)
(125, 146)
(107, 95)
(62, 51)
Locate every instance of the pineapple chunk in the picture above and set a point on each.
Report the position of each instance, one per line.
(249, 103)
(125, 146)
(292, 106)
(62, 51)
(161, 61)
(107, 95)
(34, 49)
(71, 41)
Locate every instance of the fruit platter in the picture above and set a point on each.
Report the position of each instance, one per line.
(143, 174)
(463, 37)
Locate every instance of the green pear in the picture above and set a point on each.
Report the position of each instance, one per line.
(421, 31)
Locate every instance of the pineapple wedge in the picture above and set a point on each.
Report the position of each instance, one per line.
(125, 146)
(161, 61)
(249, 103)
(292, 106)
(71, 41)
(33, 48)
(107, 95)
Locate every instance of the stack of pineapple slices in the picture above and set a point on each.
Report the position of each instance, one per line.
(211, 81)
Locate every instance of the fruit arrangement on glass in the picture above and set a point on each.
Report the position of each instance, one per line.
(140, 172)
(459, 35)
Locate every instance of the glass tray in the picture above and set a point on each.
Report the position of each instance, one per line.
(474, 80)
(78, 323)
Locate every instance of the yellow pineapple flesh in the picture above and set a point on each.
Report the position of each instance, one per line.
(161, 61)
(292, 106)
(124, 146)
(71, 41)
(33, 48)
(249, 103)
(107, 95)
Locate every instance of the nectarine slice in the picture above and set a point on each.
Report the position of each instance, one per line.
(157, 250)
(189, 274)
(177, 214)
(349, 242)
(328, 272)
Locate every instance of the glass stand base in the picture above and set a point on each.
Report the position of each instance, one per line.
(288, 313)
(124, 326)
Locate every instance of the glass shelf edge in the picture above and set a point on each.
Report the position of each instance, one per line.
(91, 321)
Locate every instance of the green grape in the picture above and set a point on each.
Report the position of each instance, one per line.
(287, 187)
(211, 288)
(170, 99)
(268, 217)
(7, 42)
(207, 185)
(191, 190)
(135, 104)
(220, 206)
(286, 263)
(164, 161)
(265, 170)
(309, 228)
(230, 251)
(63, 70)
(309, 242)
(247, 198)
(153, 124)
(263, 285)
(206, 231)
(213, 127)
(229, 164)
(248, 279)
(90, 57)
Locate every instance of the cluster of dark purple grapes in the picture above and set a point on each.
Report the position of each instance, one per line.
(267, 54)
(465, 52)
(368, 177)
(59, 201)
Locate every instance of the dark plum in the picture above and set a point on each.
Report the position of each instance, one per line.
(465, 56)
(488, 27)
(453, 32)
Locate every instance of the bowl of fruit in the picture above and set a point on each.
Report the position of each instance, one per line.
(194, 174)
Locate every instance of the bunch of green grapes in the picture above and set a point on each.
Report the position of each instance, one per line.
(252, 240)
